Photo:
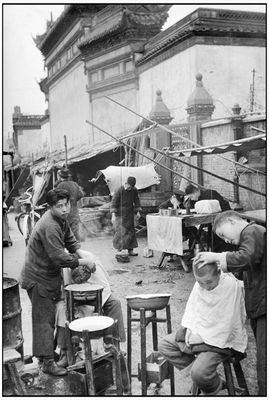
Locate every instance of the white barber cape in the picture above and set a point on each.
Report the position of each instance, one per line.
(219, 315)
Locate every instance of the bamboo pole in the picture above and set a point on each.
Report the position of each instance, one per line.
(65, 149)
(178, 135)
(138, 152)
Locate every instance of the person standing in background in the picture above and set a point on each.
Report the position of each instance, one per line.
(125, 203)
(75, 193)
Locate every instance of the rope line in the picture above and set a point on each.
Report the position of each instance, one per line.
(177, 134)
(210, 173)
(151, 159)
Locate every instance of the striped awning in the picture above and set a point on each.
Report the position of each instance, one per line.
(246, 144)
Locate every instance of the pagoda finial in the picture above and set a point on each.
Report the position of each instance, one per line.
(160, 112)
(200, 103)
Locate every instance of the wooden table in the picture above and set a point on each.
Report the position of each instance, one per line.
(259, 216)
(165, 232)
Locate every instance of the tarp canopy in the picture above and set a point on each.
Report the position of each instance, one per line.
(116, 176)
(246, 144)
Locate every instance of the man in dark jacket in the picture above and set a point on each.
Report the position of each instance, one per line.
(250, 258)
(196, 194)
(125, 203)
(41, 274)
(75, 193)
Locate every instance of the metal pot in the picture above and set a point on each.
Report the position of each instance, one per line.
(12, 326)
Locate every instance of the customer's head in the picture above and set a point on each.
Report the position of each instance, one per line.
(130, 183)
(193, 192)
(58, 200)
(228, 226)
(207, 276)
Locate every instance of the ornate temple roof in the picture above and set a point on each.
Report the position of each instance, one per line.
(46, 41)
(207, 22)
(143, 21)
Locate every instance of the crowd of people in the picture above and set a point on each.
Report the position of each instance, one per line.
(213, 324)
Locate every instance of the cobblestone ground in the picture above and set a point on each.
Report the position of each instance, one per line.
(123, 278)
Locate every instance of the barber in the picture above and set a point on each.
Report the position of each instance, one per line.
(52, 246)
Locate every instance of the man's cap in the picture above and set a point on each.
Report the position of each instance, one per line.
(64, 173)
(131, 181)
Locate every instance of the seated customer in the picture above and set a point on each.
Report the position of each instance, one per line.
(196, 194)
(212, 327)
(110, 304)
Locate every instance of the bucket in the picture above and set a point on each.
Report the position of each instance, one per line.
(12, 326)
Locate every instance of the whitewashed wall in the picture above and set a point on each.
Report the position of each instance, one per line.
(69, 108)
(226, 74)
(30, 142)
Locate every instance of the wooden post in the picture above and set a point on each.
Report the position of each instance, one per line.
(65, 148)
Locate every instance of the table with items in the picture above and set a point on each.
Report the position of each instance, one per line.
(165, 233)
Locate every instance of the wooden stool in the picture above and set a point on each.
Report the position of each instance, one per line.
(84, 328)
(234, 361)
(11, 373)
(83, 293)
(143, 305)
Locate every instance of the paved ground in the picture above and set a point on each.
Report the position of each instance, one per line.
(170, 279)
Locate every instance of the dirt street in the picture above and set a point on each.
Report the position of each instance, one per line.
(123, 278)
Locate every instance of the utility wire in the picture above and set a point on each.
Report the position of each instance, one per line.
(208, 172)
(139, 152)
(182, 137)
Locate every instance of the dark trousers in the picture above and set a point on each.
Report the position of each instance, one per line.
(112, 309)
(258, 326)
(43, 321)
(204, 368)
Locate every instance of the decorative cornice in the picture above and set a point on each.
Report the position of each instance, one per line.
(187, 42)
(63, 70)
(112, 83)
(123, 21)
(207, 22)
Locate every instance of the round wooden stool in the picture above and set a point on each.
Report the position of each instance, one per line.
(83, 293)
(152, 303)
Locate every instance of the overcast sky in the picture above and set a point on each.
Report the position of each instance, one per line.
(23, 64)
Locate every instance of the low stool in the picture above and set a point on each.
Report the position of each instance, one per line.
(86, 329)
(241, 389)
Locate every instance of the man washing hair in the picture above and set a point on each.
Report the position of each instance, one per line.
(45, 257)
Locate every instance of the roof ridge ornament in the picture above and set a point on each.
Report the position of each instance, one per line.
(200, 103)
(160, 112)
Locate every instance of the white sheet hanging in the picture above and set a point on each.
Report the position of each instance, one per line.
(116, 176)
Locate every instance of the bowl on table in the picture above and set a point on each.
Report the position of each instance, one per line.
(156, 301)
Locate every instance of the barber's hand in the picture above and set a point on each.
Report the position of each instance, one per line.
(204, 258)
(113, 219)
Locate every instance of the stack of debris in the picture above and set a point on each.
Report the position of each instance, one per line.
(95, 216)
